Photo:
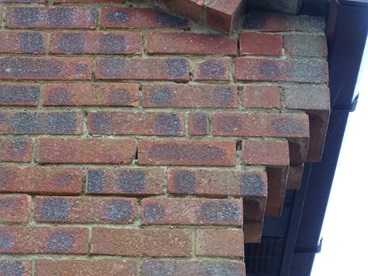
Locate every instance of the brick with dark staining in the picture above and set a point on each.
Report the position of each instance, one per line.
(117, 16)
(26, 123)
(252, 184)
(61, 241)
(26, 16)
(131, 181)
(4, 177)
(96, 181)
(31, 43)
(101, 122)
(119, 211)
(54, 209)
(177, 66)
(6, 240)
(61, 16)
(253, 21)
(285, 126)
(168, 124)
(112, 44)
(154, 212)
(167, 20)
(19, 94)
(270, 69)
(59, 95)
(223, 96)
(162, 96)
(13, 268)
(220, 212)
(185, 181)
(120, 97)
(198, 123)
(72, 43)
(112, 67)
(61, 123)
(18, 147)
(81, 68)
(212, 68)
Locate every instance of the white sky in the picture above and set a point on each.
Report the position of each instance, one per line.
(345, 229)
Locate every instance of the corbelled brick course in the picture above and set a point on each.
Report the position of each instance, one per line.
(134, 141)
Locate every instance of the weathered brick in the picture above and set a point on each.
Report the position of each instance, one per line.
(138, 18)
(45, 68)
(254, 208)
(295, 177)
(89, 1)
(261, 124)
(23, 1)
(58, 209)
(179, 95)
(41, 180)
(141, 242)
(260, 44)
(198, 123)
(295, 70)
(43, 240)
(85, 150)
(91, 94)
(175, 69)
(265, 152)
(20, 94)
(136, 123)
(255, 96)
(252, 231)
(132, 181)
(277, 22)
(307, 97)
(212, 69)
(15, 267)
(219, 243)
(215, 182)
(277, 183)
(184, 211)
(41, 122)
(194, 268)
(92, 267)
(190, 43)
(14, 208)
(190, 8)
(22, 42)
(305, 45)
(192, 153)
(122, 43)
(15, 149)
(51, 17)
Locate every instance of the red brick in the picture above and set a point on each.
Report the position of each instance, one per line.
(184, 211)
(136, 123)
(190, 267)
(132, 181)
(212, 69)
(265, 152)
(15, 267)
(122, 43)
(295, 177)
(219, 243)
(41, 180)
(277, 183)
(89, 1)
(190, 8)
(15, 149)
(198, 123)
(45, 68)
(175, 69)
(51, 17)
(41, 122)
(254, 208)
(255, 96)
(22, 42)
(312, 71)
(19, 94)
(178, 95)
(141, 242)
(305, 45)
(86, 267)
(91, 94)
(14, 208)
(277, 22)
(261, 124)
(260, 44)
(43, 240)
(190, 43)
(215, 182)
(22, 1)
(58, 209)
(85, 150)
(187, 153)
(252, 231)
(138, 18)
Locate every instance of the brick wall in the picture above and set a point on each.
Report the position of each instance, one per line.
(135, 142)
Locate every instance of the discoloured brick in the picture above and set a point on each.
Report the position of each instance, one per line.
(198, 123)
(140, 18)
(136, 123)
(254, 208)
(260, 124)
(182, 211)
(190, 8)
(176, 69)
(212, 69)
(139, 181)
(295, 177)
(260, 44)
(14, 267)
(96, 42)
(51, 17)
(14, 208)
(19, 94)
(85, 150)
(141, 242)
(253, 231)
(41, 123)
(22, 42)
(195, 268)
(86, 267)
(277, 183)
(15, 149)
(41, 180)
(255, 96)
(43, 240)
(85, 210)
(45, 68)
(194, 153)
(190, 43)
(305, 45)
(178, 95)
